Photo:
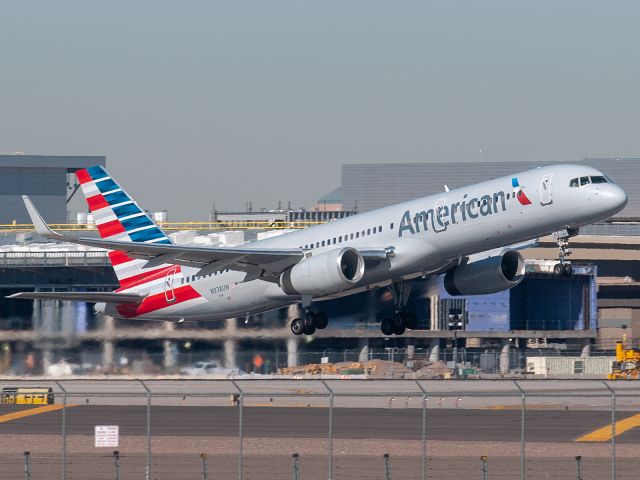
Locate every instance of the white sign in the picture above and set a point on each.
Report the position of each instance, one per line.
(106, 435)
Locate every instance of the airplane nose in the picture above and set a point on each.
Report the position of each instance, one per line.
(614, 198)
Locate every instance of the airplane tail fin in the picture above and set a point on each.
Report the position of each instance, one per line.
(118, 217)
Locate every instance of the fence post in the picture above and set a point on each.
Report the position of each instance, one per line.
(296, 466)
(116, 461)
(64, 430)
(522, 429)
(240, 431)
(203, 456)
(387, 467)
(613, 430)
(578, 467)
(27, 465)
(330, 473)
(485, 469)
(147, 470)
(424, 430)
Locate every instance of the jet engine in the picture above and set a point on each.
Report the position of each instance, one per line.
(489, 275)
(324, 274)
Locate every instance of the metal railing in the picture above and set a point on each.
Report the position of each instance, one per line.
(176, 226)
(55, 259)
(254, 429)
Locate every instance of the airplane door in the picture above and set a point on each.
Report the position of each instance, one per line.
(169, 294)
(545, 190)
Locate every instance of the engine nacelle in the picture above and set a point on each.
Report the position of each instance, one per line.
(324, 274)
(489, 275)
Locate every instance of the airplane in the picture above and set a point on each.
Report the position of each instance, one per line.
(466, 234)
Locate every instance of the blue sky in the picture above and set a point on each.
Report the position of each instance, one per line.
(200, 102)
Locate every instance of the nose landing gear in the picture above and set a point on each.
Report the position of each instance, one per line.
(564, 268)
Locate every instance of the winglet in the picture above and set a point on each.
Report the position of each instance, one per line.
(38, 222)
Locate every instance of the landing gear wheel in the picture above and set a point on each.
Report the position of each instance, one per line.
(321, 320)
(410, 320)
(399, 329)
(398, 321)
(297, 327)
(387, 327)
(309, 324)
(568, 270)
(558, 270)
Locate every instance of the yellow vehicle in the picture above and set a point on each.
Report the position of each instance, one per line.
(627, 364)
(27, 396)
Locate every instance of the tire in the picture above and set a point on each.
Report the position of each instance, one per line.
(558, 270)
(321, 320)
(297, 327)
(309, 329)
(399, 330)
(387, 327)
(399, 321)
(568, 270)
(410, 320)
(309, 321)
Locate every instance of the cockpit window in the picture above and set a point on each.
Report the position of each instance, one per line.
(573, 182)
(584, 180)
(599, 180)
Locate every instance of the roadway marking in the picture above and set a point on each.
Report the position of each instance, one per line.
(604, 434)
(32, 411)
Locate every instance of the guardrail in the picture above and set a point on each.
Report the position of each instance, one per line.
(174, 226)
(98, 258)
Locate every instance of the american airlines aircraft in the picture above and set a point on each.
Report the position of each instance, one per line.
(464, 234)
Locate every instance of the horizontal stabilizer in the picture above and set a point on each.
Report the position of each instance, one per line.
(89, 297)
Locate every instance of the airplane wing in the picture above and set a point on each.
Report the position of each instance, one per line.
(90, 297)
(259, 262)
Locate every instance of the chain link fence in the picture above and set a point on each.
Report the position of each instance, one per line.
(325, 429)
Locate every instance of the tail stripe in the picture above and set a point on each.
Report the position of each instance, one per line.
(117, 197)
(107, 185)
(126, 210)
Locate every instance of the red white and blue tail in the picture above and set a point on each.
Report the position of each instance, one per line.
(118, 217)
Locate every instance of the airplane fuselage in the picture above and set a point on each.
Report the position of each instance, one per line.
(425, 236)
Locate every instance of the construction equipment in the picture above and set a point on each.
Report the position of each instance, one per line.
(627, 364)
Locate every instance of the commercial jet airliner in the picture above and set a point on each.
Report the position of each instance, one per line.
(464, 234)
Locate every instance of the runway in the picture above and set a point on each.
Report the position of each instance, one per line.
(299, 422)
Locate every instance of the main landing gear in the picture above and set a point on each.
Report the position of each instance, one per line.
(402, 319)
(311, 322)
(564, 268)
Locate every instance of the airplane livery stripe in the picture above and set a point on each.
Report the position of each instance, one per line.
(83, 176)
(158, 301)
(135, 280)
(97, 202)
(146, 235)
(117, 197)
(97, 172)
(110, 228)
(107, 185)
(126, 210)
(118, 258)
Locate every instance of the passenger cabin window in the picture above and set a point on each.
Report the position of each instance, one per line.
(391, 226)
(584, 180)
(573, 182)
(357, 234)
(368, 231)
(351, 237)
(323, 243)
